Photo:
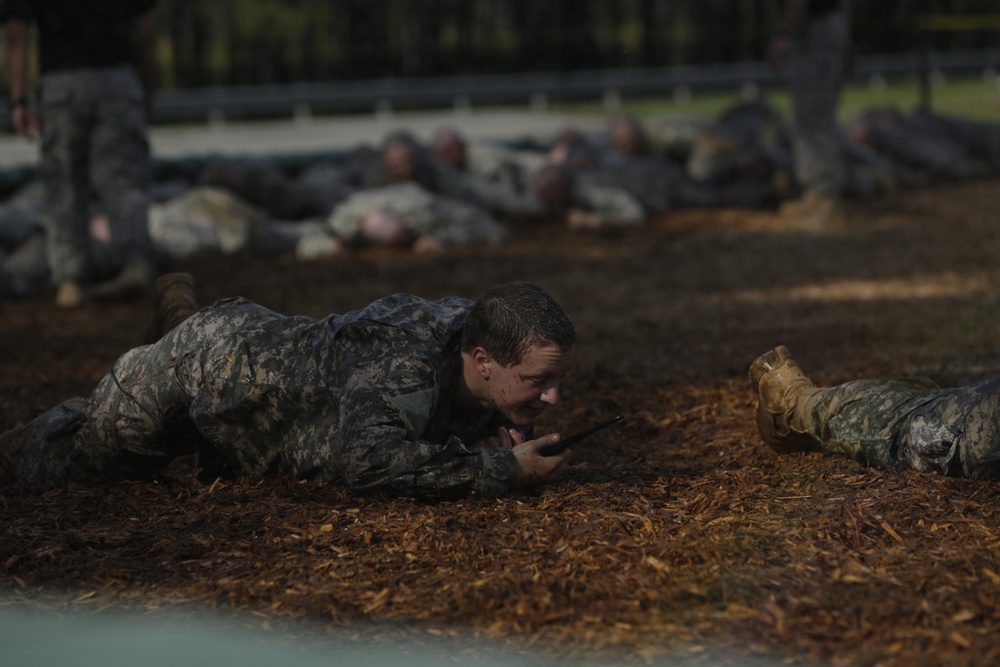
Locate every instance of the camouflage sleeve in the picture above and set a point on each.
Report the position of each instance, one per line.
(451, 183)
(457, 223)
(410, 201)
(613, 206)
(389, 396)
(504, 200)
(345, 219)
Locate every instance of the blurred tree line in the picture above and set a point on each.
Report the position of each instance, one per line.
(226, 42)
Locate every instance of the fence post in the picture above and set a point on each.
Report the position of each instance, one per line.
(924, 71)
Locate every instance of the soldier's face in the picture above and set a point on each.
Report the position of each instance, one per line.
(401, 162)
(524, 391)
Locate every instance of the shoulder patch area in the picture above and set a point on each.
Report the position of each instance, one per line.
(417, 407)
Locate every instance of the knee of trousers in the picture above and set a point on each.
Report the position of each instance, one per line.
(134, 407)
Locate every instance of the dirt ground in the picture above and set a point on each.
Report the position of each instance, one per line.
(676, 536)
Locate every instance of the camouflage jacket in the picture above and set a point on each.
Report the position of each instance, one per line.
(424, 213)
(613, 204)
(203, 218)
(364, 399)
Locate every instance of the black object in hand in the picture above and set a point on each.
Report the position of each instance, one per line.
(560, 447)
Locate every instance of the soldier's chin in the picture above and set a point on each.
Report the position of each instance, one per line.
(525, 416)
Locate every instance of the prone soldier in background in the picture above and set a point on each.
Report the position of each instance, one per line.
(408, 215)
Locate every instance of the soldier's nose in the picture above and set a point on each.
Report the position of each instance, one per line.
(550, 395)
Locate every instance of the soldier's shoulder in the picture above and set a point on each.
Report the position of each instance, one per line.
(413, 312)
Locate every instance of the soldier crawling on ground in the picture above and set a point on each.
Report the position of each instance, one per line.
(588, 188)
(406, 396)
(214, 219)
(401, 215)
(403, 159)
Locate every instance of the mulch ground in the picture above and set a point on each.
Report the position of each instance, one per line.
(675, 535)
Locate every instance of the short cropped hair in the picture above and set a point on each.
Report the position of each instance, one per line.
(508, 320)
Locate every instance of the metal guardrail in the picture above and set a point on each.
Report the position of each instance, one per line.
(536, 89)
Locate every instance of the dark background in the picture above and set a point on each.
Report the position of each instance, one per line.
(275, 58)
(226, 42)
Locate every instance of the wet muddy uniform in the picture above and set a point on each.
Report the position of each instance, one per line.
(363, 399)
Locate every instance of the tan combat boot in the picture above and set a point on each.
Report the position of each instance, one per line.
(173, 302)
(814, 212)
(784, 394)
(70, 295)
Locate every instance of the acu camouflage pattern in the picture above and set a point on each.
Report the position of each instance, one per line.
(362, 399)
(933, 145)
(424, 213)
(203, 218)
(493, 163)
(593, 191)
(626, 190)
(93, 134)
(911, 422)
(497, 179)
(499, 196)
(209, 218)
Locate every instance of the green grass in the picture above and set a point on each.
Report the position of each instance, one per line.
(969, 97)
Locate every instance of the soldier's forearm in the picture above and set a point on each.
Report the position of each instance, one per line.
(419, 469)
(16, 51)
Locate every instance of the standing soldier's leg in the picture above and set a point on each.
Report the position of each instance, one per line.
(64, 172)
(121, 177)
(815, 79)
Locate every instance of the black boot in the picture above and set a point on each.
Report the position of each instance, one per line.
(173, 302)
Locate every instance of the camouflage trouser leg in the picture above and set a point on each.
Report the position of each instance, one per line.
(912, 422)
(94, 136)
(860, 419)
(956, 433)
(138, 418)
(815, 73)
(133, 423)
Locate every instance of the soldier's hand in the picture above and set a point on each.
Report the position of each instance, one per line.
(580, 219)
(533, 469)
(25, 121)
(426, 245)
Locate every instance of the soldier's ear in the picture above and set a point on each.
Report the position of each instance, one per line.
(483, 362)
